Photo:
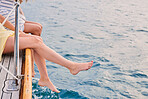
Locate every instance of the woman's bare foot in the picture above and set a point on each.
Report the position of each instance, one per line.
(49, 84)
(77, 67)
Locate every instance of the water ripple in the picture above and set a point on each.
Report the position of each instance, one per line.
(144, 93)
(96, 65)
(120, 74)
(82, 56)
(103, 59)
(139, 75)
(66, 94)
(143, 84)
(53, 7)
(126, 94)
(68, 36)
(142, 31)
(108, 88)
(90, 83)
(45, 93)
(42, 92)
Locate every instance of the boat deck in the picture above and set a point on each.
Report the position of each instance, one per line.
(6, 79)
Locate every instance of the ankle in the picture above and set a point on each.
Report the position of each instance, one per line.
(44, 79)
(72, 66)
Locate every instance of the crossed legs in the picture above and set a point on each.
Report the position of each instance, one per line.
(41, 52)
(35, 29)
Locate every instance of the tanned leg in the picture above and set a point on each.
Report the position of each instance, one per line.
(40, 48)
(40, 61)
(35, 29)
(34, 23)
(32, 56)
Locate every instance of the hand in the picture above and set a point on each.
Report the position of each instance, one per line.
(21, 32)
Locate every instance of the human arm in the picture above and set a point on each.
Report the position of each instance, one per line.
(8, 24)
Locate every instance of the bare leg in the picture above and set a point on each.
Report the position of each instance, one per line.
(52, 56)
(32, 56)
(34, 23)
(40, 61)
(41, 64)
(36, 43)
(44, 79)
(34, 29)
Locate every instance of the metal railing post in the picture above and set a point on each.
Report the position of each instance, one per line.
(13, 84)
(16, 41)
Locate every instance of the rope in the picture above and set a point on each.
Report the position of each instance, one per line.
(8, 72)
(35, 78)
(0, 27)
(8, 16)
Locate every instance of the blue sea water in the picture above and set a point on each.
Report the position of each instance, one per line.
(112, 33)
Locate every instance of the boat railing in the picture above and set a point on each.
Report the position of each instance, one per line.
(27, 77)
(17, 74)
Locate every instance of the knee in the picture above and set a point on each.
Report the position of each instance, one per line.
(37, 41)
(38, 30)
(40, 25)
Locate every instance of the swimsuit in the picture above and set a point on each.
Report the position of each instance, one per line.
(5, 7)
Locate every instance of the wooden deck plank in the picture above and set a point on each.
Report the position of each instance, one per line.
(1, 69)
(6, 96)
(15, 95)
(2, 61)
(12, 67)
(4, 93)
(4, 73)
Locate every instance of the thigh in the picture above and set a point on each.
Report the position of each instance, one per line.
(29, 27)
(34, 23)
(32, 28)
(25, 41)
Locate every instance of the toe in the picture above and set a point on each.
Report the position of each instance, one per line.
(91, 63)
(55, 90)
